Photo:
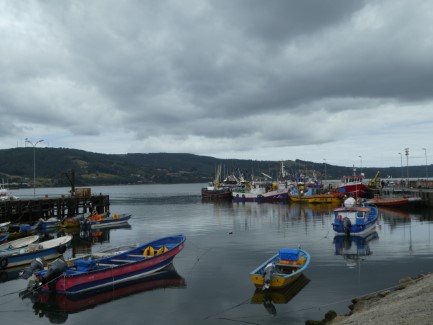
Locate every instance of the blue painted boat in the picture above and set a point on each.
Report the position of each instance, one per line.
(83, 275)
(3, 237)
(49, 249)
(354, 219)
(19, 230)
(104, 221)
(60, 305)
(52, 222)
(281, 269)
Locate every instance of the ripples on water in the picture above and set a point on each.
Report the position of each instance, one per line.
(225, 241)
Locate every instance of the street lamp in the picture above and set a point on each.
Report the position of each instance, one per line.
(324, 159)
(401, 164)
(361, 163)
(406, 152)
(426, 171)
(34, 163)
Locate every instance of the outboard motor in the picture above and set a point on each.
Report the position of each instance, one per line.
(54, 270)
(269, 269)
(346, 225)
(37, 264)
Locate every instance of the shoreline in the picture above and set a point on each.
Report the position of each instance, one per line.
(409, 302)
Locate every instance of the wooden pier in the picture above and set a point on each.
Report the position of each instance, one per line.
(31, 210)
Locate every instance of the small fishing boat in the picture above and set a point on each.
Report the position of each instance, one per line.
(18, 243)
(19, 230)
(87, 275)
(397, 202)
(103, 221)
(311, 196)
(58, 306)
(52, 222)
(354, 219)
(281, 269)
(4, 237)
(49, 249)
(4, 226)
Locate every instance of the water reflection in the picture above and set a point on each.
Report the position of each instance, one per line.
(282, 296)
(57, 307)
(354, 248)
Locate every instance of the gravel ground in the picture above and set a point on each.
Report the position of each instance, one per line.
(410, 302)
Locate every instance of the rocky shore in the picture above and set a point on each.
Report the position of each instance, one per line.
(409, 302)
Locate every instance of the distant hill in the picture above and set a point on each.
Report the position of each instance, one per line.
(54, 164)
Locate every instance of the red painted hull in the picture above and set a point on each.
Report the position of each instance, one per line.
(108, 271)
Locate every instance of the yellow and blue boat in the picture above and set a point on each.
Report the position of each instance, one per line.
(281, 269)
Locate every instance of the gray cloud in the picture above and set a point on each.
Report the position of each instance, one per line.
(248, 79)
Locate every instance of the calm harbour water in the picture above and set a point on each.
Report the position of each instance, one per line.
(225, 241)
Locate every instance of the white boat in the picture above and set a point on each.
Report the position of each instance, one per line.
(18, 243)
(49, 249)
(5, 195)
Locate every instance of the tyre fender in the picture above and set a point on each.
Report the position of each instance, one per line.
(3, 262)
(61, 249)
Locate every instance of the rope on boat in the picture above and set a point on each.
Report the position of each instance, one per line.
(198, 257)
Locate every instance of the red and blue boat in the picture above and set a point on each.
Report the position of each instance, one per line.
(84, 275)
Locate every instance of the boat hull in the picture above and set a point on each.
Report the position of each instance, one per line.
(279, 279)
(363, 220)
(107, 222)
(118, 269)
(25, 256)
(216, 194)
(355, 190)
(316, 199)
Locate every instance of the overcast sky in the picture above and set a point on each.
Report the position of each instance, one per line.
(346, 82)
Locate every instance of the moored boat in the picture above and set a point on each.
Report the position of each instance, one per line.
(4, 237)
(406, 202)
(354, 186)
(281, 269)
(310, 196)
(55, 306)
(106, 220)
(51, 222)
(49, 249)
(19, 230)
(87, 275)
(354, 219)
(18, 243)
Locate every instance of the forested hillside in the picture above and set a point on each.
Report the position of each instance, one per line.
(52, 165)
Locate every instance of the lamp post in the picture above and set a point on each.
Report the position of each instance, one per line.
(324, 159)
(426, 171)
(34, 163)
(406, 152)
(401, 164)
(361, 163)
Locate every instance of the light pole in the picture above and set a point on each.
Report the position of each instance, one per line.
(34, 163)
(426, 171)
(361, 163)
(401, 164)
(406, 152)
(324, 159)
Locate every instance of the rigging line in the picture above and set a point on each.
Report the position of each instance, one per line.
(198, 260)
(237, 321)
(230, 308)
